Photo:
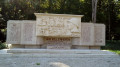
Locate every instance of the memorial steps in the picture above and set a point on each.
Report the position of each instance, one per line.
(57, 51)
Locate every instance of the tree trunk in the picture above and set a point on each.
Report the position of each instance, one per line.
(94, 9)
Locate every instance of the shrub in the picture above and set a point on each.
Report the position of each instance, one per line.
(2, 45)
(112, 45)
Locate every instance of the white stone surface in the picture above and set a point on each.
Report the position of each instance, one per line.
(87, 34)
(99, 34)
(17, 46)
(13, 32)
(28, 36)
(32, 46)
(80, 47)
(56, 51)
(58, 25)
(3, 51)
(39, 41)
(76, 41)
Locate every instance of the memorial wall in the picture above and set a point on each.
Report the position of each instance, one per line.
(55, 31)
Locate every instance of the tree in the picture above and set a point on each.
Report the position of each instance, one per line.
(106, 13)
(94, 9)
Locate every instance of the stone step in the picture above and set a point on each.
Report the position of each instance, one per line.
(54, 51)
(59, 55)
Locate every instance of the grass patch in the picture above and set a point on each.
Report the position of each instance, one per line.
(37, 63)
(116, 51)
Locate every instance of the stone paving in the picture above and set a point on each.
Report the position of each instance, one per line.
(58, 60)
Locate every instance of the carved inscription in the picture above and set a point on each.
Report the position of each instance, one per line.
(58, 26)
(86, 34)
(57, 43)
(13, 32)
(99, 34)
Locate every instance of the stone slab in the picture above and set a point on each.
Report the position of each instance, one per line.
(32, 46)
(99, 34)
(28, 33)
(80, 47)
(95, 47)
(13, 32)
(87, 34)
(76, 41)
(55, 51)
(17, 46)
(58, 25)
(39, 41)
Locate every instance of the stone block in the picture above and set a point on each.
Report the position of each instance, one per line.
(28, 32)
(17, 46)
(13, 32)
(80, 47)
(39, 41)
(95, 47)
(76, 41)
(58, 25)
(99, 34)
(87, 34)
(32, 46)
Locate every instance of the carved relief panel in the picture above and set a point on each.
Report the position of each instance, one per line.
(59, 26)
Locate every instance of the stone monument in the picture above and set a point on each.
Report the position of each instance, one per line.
(55, 31)
(57, 40)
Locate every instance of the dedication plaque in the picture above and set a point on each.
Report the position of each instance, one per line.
(58, 25)
(57, 42)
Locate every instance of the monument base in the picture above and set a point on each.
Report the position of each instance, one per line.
(58, 58)
(80, 47)
(56, 51)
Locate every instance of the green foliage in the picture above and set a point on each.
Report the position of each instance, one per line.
(2, 35)
(108, 12)
(37, 63)
(2, 45)
(112, 45)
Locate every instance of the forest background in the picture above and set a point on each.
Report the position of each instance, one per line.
(108, 13)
